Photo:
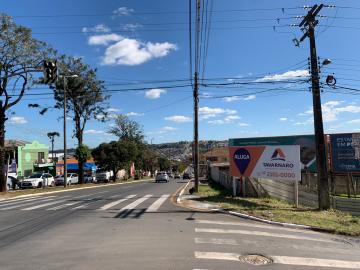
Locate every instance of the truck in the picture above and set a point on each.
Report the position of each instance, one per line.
(104, 175)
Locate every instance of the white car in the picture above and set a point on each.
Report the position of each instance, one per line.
(72, 178)
(162, 177)
(38, 180)
(104, 176)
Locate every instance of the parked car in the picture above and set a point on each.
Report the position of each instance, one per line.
(177, 176)
(186, 176)
(161, 177)
(38, 180)
(12, 182)
(104, 176)
(89, 178)
(72, 178)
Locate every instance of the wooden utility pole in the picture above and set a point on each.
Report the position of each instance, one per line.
(309, 22)
(196, 132)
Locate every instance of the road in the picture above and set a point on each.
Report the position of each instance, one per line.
(136, 226)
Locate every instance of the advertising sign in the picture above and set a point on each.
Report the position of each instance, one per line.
(345, 152)
(280, 162)
(306, 142)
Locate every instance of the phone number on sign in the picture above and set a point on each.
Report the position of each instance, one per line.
(282, 174)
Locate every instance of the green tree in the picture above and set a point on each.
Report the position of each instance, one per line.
(85, 97)
(20, 57)
(164, 164)
(115, 155)
(82, 154)
(127, 129)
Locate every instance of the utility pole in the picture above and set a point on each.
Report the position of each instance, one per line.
(196, 132)
(65, 146)
(308, 23)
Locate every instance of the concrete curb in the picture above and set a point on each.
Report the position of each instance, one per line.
(178, 200)
(246, 216)
(73, 189)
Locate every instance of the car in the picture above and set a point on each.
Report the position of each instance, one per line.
(38, 180)
(72, 178)
(161, 177)
(89, 178)
(186, 176)
(177, 176)
(104, 176)
(12, 182)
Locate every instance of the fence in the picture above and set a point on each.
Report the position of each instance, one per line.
(285, 190)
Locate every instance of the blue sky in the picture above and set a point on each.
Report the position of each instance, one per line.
(141, 43)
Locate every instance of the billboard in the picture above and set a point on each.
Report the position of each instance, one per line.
(306, 142)
(345, 152)
(280, 162)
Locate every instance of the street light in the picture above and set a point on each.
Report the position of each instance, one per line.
(65, 147)
(326, 61)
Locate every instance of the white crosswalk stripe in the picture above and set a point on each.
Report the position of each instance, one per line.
(63, 206)
(41, 205)
(136, 203)
(156, 205)
(22, 204)
(12, 201)
(112, 204)
(260, 233)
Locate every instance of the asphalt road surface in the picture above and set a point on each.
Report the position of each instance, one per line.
(136, 226)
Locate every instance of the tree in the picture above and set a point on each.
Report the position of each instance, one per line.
(52, 136)
(82, 154)
(127, 129)
(115, 155)
(85, 97)
(164, 164)
(20, 57)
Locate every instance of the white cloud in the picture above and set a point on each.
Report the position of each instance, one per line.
(100, 28)
(131, 26)
(133, 52)
(124, 11)
(227, 120)
(154, 93)
(178, 119)
(355, 121)
(165, 130)
(110, 110)
(231, 99)
(104, 39)
(243, 124)
(237, 98)
(207, 112)
(250, 97)
(134, 114)
(304, 123)
(283, 119)
(17, 120)
(286, 76)
(93, 132)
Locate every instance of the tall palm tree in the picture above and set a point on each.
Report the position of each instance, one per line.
(52, 136)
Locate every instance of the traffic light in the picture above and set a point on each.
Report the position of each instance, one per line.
(50, 72)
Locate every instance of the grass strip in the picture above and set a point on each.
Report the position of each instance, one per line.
(282, 211)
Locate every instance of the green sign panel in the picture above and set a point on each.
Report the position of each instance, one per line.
(306, 142)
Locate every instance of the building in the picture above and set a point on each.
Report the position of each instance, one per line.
(216, 155)
(26, 158)
(73, 166)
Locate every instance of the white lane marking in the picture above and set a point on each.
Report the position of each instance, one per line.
(22, 204)
(313, 262)
(136, 203)
(156, 205)
(82, 206)
(217, 256)
(12, 201)
(248, 224)
(63, 206)
(316, 262)
(43, 205)
(88, 195)
(259, 233)
(216, 241)
(109, 205)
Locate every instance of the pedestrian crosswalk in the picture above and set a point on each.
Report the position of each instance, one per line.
(147, 203)
(232, 242)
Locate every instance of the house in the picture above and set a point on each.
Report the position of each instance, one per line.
(220, 154)
(72, 166)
